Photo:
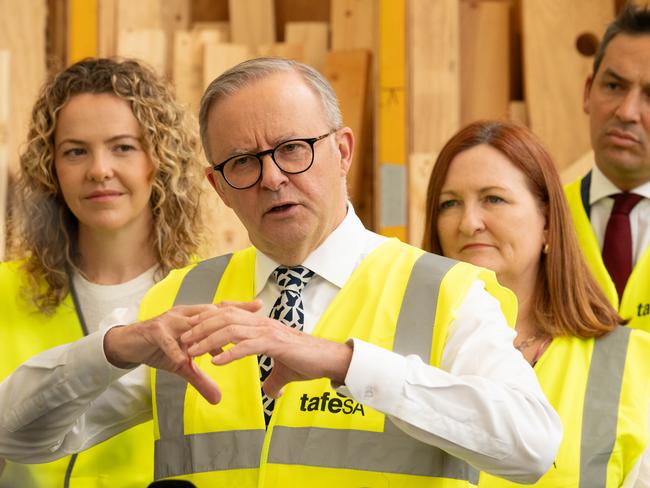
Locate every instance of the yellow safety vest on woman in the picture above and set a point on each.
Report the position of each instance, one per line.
(124, 461)
(600, 390)
(635, 302)
(399, 298)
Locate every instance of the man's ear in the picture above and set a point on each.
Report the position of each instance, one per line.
(216, 183)
(585, 95)
(345, 146)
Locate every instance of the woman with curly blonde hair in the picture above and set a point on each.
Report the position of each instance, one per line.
(107, 204)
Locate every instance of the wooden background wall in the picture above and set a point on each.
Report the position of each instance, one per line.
(409, 73)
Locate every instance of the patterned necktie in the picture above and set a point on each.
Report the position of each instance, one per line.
(617, 246)
(287, 309)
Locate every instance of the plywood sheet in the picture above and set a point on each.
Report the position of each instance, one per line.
(148, 45)
(22, 32)
(353, 23)
(555, 72)
(252, 22)
(312, 36)
(348, 72)
(434, 105)
(485, 59)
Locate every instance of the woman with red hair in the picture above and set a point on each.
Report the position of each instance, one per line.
(495, 200)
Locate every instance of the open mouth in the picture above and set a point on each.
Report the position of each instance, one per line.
(281, 208)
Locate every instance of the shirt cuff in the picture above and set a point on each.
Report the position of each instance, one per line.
(376, 377)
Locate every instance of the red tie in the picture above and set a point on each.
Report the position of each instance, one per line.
(617, 248)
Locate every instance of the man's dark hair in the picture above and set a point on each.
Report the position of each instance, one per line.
(632, 20)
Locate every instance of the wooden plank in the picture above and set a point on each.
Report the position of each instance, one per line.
(5, 110)
(82, 30)
(353, 23)
(22, 32)
(209, 28)
(218, 57)
(313, 37)
(57, 35)
(434, 105)
(282, 50)
(555, 72)
(167, 16)
(106, 28)
(485, 59)
(349, 74)
(148, 45)
(291, 11)
(252, 22)
(187, 71)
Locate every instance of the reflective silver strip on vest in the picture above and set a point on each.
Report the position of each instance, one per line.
(390, 451)
(175, 453)
(600, 413)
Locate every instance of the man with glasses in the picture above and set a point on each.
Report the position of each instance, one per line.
(380, 364)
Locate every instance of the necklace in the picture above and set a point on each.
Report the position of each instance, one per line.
(525, 344)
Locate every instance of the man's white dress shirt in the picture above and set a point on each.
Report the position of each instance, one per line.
(484, 404)
(601, 207)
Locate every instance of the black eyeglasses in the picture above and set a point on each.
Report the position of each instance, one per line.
(292, 157)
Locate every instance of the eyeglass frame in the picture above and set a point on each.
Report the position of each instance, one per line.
(309, 140)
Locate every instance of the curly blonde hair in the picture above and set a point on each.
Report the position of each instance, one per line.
(47, 230)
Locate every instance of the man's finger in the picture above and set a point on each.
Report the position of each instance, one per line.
(274, 385)
(252, 307)
(202, 382)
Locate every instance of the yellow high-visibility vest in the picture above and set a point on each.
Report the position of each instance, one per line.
(635, 302)
(399, 298)
(600, 390)
(124, 461)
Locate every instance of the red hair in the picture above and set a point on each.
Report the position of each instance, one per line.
(567, 299)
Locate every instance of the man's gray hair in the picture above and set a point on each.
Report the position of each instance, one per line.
(253, 70)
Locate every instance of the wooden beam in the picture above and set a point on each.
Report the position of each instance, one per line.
(391, 137)
(555, 72)
(434, 106)
(106, 28)
(282, 50)
(82, 29)
(485, 59)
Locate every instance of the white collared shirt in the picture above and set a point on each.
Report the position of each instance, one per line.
(601, 207)
(483, 405)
